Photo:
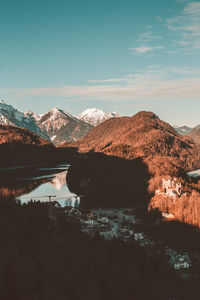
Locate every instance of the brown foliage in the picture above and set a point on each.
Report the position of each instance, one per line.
(144, 135)
(17, 135)
(185, 208)
(22, 146)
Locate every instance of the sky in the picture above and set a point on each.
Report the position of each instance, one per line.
(116, 55)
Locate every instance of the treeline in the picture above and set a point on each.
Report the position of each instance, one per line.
(45, 260)
(15, 154)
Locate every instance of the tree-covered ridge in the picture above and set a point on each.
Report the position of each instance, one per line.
(143, 135)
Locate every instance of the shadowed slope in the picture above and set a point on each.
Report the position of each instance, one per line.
(107, 181)
(22, 146)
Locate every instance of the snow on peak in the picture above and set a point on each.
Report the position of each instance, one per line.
(95, 116)
(3, 102)
(54, 110)
(29, 114)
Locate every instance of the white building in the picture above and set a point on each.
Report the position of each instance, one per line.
(103, 219)
(171, 187)
(180, 261)
(139, 236)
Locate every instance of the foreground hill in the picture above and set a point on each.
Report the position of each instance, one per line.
(22, 146)
(16, 135)
(143, 135)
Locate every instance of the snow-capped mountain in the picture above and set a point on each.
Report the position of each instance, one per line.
(95, 116)
(56, 125)
(29, 114)
(61, 126)
(9, 115)
(183, 130)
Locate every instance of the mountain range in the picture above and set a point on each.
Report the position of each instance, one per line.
(183, 130)
(56, 125)
(194, 133)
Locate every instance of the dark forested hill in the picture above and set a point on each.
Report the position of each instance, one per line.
(22, 146)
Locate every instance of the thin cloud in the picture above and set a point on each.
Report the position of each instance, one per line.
(152, 84)
(148, 36)
(145, 49)
(187, 27)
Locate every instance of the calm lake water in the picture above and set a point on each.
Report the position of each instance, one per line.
(37, 183)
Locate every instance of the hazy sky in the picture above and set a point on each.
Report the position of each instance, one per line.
(116, 55)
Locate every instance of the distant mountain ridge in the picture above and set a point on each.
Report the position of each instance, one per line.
(195, 134)
(56, 125)
(183, 130)
(60, 126)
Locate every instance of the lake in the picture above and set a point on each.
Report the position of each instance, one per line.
(36, 183)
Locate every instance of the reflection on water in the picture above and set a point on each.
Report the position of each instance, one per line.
(54, 189)
(59, 181)
(37, 184)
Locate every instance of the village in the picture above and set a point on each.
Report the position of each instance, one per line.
(122, 224)
(125, 224)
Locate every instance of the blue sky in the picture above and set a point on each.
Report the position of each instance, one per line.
(116, 55)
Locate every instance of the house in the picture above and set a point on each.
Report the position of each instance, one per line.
(139, 236)
(180, 261)
(171, 187)
(90, 222)
(103, 219)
